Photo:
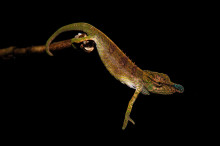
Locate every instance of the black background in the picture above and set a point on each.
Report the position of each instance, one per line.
(72, 95)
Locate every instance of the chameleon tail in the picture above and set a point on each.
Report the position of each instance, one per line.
(75, 26)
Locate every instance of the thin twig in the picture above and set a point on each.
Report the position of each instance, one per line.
(13, 51)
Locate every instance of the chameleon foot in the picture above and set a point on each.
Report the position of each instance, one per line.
(127, 118)
(79, 35)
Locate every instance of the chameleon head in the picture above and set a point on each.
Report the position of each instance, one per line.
(160, 83)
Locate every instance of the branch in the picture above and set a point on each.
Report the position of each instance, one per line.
(87, 46)
(13, 51)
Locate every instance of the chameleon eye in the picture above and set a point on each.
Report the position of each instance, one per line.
(159, 84)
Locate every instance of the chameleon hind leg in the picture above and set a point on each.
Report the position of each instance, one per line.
(79, 40)
(130, 105)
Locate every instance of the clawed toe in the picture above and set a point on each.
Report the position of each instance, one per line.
(132, 121)
(127, 118)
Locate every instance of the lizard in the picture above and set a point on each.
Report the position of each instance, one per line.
(120, 66)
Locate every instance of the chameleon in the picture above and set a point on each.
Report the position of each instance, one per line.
(120, 66)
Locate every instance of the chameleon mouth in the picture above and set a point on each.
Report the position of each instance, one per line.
(179, 88)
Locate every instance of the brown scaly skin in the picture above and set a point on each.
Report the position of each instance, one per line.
(120, 66)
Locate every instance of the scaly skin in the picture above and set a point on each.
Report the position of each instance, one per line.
(120, 66)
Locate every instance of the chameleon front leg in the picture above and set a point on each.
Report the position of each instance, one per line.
(130, 104)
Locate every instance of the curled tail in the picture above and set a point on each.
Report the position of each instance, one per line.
(87, 28)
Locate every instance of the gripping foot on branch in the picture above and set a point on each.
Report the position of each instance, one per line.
(87, 46)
